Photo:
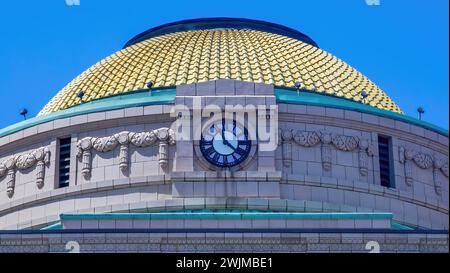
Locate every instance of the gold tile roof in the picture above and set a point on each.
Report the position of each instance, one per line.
(204, 55)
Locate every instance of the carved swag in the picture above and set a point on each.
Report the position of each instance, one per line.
(424, 161)
(39, 158)
(326, 140)
(163, 136)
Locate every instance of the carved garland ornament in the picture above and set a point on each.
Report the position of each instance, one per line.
(423, 161)
(163, 136)
(39, 158)
(327, 140)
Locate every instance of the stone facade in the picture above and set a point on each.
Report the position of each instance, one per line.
(326, 161)
(222, 242)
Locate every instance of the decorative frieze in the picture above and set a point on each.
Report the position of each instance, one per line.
(325, 150)
(365, 150)
(163, 136)
(286, 142)
(306, 139)
(409, 157)
(327, 141)
(39, 158)
(345, 143)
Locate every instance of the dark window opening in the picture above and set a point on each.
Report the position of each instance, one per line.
(385, 160)
(64, 162)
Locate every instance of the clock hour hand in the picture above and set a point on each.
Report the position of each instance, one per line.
(226, 142)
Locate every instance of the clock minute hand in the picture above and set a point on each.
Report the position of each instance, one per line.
(223, 132)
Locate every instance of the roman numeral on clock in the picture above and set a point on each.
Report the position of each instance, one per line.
(241, 151)
(225, 160)
(207, 142)
(243, 142)
(216, 157)
(210, 151)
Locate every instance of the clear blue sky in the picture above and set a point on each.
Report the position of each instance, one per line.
(401, 45)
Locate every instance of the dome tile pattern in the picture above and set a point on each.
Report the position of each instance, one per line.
(203, 55)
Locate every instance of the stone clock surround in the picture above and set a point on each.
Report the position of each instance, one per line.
(269, 183)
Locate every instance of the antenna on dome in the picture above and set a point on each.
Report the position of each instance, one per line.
(364, 95)
(80, 95)
(421, 111)
(149, 86)
(298, 85)
(24, 113)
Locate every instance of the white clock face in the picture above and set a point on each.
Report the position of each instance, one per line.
(225, 144)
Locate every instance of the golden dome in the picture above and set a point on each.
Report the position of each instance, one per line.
(186, 57)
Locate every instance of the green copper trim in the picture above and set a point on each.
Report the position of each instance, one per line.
(167, 96)
(290, 96)
(225, 216)
(56, 226)
(398, 226)
(130, 99)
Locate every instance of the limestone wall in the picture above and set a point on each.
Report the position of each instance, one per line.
(345, 179)
(222, 242)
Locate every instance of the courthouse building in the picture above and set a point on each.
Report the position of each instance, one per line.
(103, 167)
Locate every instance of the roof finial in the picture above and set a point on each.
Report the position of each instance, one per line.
(24, 113)
(298, 85)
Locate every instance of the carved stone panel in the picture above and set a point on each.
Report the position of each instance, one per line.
(39, 158)
(409, 158)
(327, 141)
(163, 136)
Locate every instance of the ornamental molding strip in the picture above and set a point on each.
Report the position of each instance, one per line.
(163, 136)
(326, 140)
(39, 158)
(423, 161)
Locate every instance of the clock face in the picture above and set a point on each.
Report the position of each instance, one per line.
(225, 144)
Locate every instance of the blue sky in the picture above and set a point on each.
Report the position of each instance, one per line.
(401, 45)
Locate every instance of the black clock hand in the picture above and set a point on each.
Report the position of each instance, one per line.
(223, 132)
(226, 142)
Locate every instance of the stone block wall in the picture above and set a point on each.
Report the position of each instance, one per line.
(339, 187)
(222, 242)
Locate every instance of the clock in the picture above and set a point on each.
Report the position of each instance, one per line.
(225, 144)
